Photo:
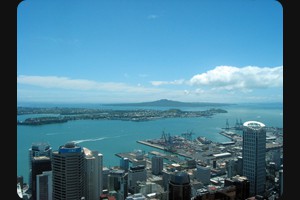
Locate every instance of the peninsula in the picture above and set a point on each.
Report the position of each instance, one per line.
(65, 114)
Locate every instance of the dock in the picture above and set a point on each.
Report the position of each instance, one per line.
(130, 155)
(172, 158)
(150, 144)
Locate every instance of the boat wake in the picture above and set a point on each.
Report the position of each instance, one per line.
(89, 140)
(97, 139)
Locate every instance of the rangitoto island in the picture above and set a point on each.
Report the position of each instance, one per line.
(65, 114)
(171, 103)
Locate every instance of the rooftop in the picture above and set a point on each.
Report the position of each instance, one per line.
(254, 125)
(180, 178)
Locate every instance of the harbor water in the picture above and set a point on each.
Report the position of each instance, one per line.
(114, 136)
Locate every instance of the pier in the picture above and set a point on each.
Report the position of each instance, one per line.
(130, 155)
(172, 158)
(150, 144)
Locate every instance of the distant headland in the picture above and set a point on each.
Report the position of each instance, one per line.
(65, 114)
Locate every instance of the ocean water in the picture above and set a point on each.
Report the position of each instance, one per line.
(114, 136)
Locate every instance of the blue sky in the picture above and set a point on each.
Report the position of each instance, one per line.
(112, 51)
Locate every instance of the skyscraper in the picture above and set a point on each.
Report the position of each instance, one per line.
(93, 174)
(44, 186)
(68, 172)
(135, 174)
(203, 174)
(157, 165)
(254, 155)
(280, 182)
(179, 186)
(231, 166)
(38, 149)
(242, 186)
(276, 158)
(124, 164)
(139, 158)
(105, 173)
(39, 165)
(118, 182)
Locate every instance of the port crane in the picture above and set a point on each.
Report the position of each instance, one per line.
(188, 135)
(166, 137)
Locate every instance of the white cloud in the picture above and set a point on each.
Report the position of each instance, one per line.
(245, 79)
(231, 78)
(199, 91)
(176, 82)
(186, 92)
(79, 84)
(221, 84)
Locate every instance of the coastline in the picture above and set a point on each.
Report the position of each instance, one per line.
(68, 114)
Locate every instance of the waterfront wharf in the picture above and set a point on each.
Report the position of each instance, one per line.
(151, 145)
(170, 157)
(131, 156)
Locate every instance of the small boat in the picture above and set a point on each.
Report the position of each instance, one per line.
(19, 190)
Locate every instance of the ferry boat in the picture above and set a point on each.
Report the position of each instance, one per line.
(204, 140)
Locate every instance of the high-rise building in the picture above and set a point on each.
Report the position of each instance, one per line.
(231, 167)
(39, 165)
(139, 158)
(68, 172)
(157, 165)
(118, 183)
(242, 185)
(239, 165)
(214, 163)
(254, 156)
(166, 176)
(135, 174)
(179, 186)
(276, 158)
(44, 186)
(191, 163)
(149, 187)
(203, 174)
(280, 182)
(124, 164)
(105, 173)
(93, 174)
(38, 149)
